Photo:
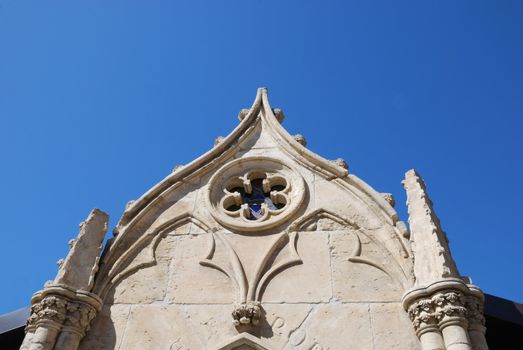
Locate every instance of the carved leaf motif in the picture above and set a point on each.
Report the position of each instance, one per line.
(326, 220)
(250, 288)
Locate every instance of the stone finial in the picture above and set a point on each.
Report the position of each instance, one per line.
(430, 245)
(77, 270)
(300, 139)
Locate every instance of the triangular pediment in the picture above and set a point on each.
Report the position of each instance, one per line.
(244, 341)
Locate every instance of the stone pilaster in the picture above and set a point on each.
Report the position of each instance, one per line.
(476, 320)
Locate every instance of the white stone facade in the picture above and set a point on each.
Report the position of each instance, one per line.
(261, 244)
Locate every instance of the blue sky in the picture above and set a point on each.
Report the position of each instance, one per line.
(99, 100)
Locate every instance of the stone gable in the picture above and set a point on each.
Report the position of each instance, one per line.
(261, 244)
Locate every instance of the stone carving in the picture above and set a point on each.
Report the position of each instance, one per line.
(447, 312)
(300, 139)
(62, 311)
(341, 163)
(147, 244)
(79, 316)
(389, 198)
(474, 308)
(449, 306)
(255, 193)
(218, 140)
(254, 196)
(247, 313)
(310, 222)
(250, 288)
(49, 309)
(78, 269)
(244, 341)
(433, 260)
(437, 310)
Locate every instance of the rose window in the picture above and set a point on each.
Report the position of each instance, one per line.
(255, 196)
(255, 193)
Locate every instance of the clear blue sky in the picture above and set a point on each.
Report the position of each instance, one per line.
(99, 100)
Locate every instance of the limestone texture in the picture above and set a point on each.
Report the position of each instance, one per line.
(261, 244)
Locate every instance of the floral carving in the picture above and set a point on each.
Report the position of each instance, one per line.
(449, 305)
(250, 288)
(61, 312)
(247, 313)
(52, 309)
(474, 308)
(422, 313)
(79, 316)
(437, 310)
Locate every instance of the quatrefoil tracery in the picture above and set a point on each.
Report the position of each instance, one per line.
(256, 196)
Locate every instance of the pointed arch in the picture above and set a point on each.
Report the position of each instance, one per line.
(123, 267)
(355, 255)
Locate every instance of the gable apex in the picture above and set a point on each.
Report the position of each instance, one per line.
(260, 110)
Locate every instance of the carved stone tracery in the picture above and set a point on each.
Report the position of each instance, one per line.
(255, 193)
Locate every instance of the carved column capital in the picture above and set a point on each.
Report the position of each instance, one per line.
(49, 311)
(438, 310)
(422, 313)
(78, 317)
(60, 307)
(449, 308)
(474, 306)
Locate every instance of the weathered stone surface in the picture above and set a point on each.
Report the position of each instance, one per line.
(371, 278)
(160, 327)
(391, 327)
(189, 282)
(261, 244)
(313, 249)
(149, 283)
(78, 269)
(107, 329)
(334, 326)
(429, 242)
